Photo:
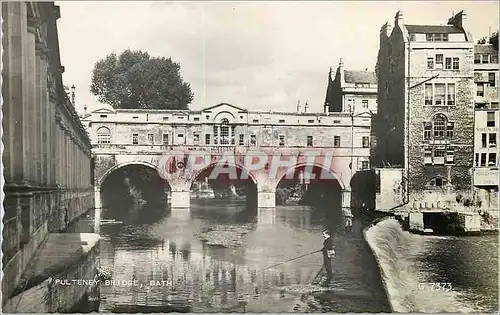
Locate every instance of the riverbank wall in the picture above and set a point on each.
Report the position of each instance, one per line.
(44, 287)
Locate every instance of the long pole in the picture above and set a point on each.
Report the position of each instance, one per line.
(284, 262)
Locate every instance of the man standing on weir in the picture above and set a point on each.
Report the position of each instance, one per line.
(328, 254)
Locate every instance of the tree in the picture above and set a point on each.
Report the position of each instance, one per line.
(136, 80)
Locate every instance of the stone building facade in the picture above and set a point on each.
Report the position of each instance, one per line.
(46, 153)
(486, 123)
(426, 110)
(122, 137)
(351, 91)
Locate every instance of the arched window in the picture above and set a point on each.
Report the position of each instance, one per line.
(439, 128)
(103, 135)
(224, 133)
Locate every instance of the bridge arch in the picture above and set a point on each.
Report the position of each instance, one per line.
(313, 165)
(242, 168)
(118, 166)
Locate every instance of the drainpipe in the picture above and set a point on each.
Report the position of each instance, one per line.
(352, 141)
(407, 127)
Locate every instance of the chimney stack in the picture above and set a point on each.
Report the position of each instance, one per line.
(458, 20)
(386, 29)
(398, 20)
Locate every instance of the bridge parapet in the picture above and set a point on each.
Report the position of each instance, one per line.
(267, 150)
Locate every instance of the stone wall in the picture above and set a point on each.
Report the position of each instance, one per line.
(390, 192)
(29, 218)
(47, 152)
(49, 297)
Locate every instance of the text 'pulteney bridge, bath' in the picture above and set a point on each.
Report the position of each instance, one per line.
(227, 142)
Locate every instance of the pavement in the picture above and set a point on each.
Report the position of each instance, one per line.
(59, 251)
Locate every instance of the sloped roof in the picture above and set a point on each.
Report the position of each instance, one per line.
(103, 110)
(225, 104)
(436, 29)
(360, 77)
(485, 49)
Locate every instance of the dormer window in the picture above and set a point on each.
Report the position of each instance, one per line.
(440, 37)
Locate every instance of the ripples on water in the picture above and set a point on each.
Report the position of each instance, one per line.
(153, 244)
(470, 264)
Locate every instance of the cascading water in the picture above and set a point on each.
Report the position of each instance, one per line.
(134, 192)
(397, 252)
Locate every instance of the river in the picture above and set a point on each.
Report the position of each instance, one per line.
(154, 244)
(435, 274)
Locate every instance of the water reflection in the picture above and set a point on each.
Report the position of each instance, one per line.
(161, 250)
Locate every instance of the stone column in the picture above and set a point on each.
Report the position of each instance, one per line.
(76, 165)
(56, 155)
(7, 80)
(71, 164)
(31, 94)
(180, 193)
(53, 137)
(97, 197)
(14, 94)
(44, 112)
(40, 119)
(65, 159)
(180, 199)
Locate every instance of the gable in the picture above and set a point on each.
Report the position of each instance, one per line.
(224, 107)
(103, 111)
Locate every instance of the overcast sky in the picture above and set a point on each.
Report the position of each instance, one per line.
(256, 55)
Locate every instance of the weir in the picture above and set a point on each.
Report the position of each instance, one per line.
(397, 253)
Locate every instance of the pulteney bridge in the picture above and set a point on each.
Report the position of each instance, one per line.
(262, 147)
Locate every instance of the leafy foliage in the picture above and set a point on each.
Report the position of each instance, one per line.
(136, 80)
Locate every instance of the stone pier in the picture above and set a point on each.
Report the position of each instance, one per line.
(180, 199)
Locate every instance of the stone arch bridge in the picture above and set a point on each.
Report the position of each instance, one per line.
(263, 146)
(265, 168)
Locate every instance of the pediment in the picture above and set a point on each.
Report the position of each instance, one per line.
(103, 111)
(224, 107)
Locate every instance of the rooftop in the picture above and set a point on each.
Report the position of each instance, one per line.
(360, 77)
(434, 29)
(485, 49)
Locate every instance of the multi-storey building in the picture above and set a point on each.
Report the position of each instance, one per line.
(232, 127)
(426, 107)
(486, 121)
(46, 153)
(125, 135)
(351, 91)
